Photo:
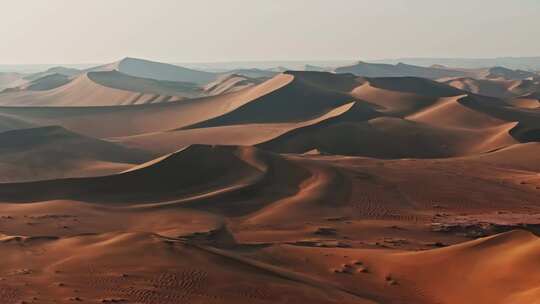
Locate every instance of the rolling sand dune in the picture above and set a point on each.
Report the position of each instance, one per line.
(251, 73)
(69, 72)
(500, 88)
(114, 121)
(146, 183)
(11, 122)
(387, 137)
(48, 82)
(449, 112)
(44, 83)
(309, 187)
(98, 89)
(54, 152)
(169, 141)
(475, 272)
(248, 215)
(300, 99)
(156, 70)
(402, 96)
(230, 83)
(117, 80)
(178, 272)
(9, 80)
(491, 261)
(444, 128)
(399, 70)
(528, 102)
(505, 73)
(296, 112)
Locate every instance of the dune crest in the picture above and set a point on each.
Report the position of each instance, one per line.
(146, 182)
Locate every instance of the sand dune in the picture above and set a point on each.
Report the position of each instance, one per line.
(179, 271)
(44, 83)
(475, 272)
(500, 88)
(251, 73)
(49, 82)
(54, 152)
(386, 137)
(300, 99)
(68, 72)
(169, 141)
(398, 70)
(308, 187)
(9, 80)
(161, 179)
(230, 83)
(156, 70)
(528, 102)
(488, 264)
(97, 89)
(505, 73)
(249, 215)
(450, 113)
(117, 80)
(444, 128)
(114, 121)
(402, 96)
(12, 122)
(291, 113)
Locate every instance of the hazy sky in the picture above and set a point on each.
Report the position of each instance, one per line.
(73, 31)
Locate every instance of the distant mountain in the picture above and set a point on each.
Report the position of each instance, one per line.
(399, 70)
(524, 63)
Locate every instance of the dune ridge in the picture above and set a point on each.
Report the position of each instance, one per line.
(145, 182)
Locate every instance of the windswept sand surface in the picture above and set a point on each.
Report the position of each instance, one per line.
(96, 89)
(309, 187)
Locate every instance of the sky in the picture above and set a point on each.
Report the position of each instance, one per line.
(73, 31)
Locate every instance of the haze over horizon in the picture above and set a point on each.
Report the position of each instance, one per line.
(68, 32)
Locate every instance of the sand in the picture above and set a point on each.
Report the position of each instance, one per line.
(308, 187)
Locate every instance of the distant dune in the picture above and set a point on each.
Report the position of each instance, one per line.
(398, 70)
(143, 182)
(54, 152)
(96, 89)
(8, 80)
(302, 98)
(296, 112)
(114, 121)
(156, 70)
(251, 73)
(524, 63)
(231, 83)
(68, 72)
(497, 87)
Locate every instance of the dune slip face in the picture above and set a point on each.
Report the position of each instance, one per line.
(146, 182)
